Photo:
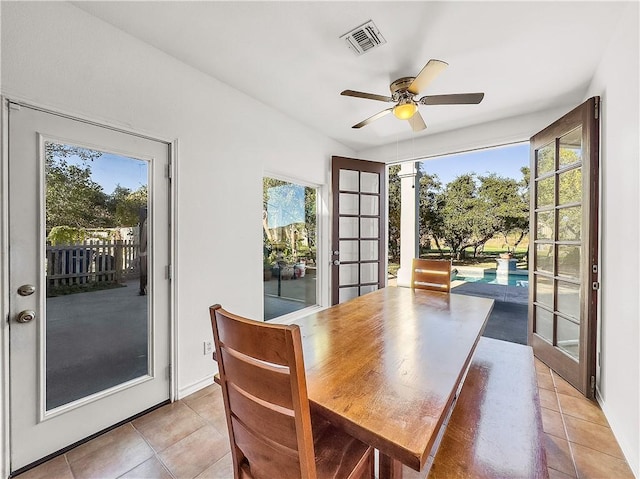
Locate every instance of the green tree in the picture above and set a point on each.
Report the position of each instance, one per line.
(507, 204)
(125, 205)
(520, 225)
(430, 209)
(73, 198)
(66, 235)
(465, 218)
(310, 219)
(394, 213)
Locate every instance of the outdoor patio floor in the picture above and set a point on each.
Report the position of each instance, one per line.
(508, 320)
(293, 294)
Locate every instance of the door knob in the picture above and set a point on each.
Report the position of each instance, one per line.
(336, 262)
(26, 290)
(26, 316)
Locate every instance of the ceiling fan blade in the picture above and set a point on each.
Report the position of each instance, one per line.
(373, 118)
(455, 99)
(369, 96)
(430, 71)
(417, 122)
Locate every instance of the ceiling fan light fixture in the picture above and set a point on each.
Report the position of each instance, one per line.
(405, 110)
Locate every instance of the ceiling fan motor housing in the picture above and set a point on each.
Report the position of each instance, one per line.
(400, 87)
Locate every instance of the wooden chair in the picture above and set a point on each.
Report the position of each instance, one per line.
(431, 274)
(271, 429)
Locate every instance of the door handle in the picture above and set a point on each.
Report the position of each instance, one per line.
(336, 262)
(26, 316)
(26, 290)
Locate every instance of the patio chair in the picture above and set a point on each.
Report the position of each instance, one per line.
(271, 428)
(431, 274)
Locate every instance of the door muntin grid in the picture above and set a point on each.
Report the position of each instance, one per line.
(558, 234)
(359, 233)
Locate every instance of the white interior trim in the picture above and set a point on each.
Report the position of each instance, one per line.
(5, 460)
(173, 288)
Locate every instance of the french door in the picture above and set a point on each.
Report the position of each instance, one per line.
(89, 324)
(563, 267)
(359, 225)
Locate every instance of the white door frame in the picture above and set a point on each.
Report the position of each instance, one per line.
(5, 410)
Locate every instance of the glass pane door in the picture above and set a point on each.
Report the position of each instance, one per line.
(358, 209)
(557, 251)
(564, 266)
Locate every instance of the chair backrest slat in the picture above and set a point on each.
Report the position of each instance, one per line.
(268, 459)
(263, 418)
(265, 395)
(431, 274)
(240, 334)
(269, 383)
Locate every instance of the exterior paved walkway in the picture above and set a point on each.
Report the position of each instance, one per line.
(95, 340)
(508, 320)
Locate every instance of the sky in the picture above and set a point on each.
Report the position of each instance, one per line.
(505, 161)
(109, 170)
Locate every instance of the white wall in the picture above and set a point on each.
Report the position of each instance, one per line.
(58, 56)
(616, 82)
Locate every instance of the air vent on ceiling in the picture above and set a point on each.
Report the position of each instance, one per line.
(364, 38)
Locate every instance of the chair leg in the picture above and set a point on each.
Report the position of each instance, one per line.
(389, 468)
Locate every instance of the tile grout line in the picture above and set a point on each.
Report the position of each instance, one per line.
(564, 424)
(66, 459)
(155, 453)
(592, 423)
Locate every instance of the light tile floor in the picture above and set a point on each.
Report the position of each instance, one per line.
(188, 439)
(578, 440)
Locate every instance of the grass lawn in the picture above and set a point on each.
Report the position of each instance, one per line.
(486, 259)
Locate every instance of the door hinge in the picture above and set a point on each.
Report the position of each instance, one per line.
(595, 285)
(169, 372)
(168, 171)
(168, 272)
(593, 385)
(597, 108)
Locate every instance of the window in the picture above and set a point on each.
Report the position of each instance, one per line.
(289, 231)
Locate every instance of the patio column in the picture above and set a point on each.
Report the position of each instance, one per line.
(409, 201)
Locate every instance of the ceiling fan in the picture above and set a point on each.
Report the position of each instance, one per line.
(403, 93)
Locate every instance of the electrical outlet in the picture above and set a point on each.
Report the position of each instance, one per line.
(208, 347)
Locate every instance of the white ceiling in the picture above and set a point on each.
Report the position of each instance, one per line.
(525, 56)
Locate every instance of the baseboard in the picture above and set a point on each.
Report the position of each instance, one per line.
(196, 386)
(626, 448)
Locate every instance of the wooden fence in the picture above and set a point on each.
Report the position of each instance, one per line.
(92, 262)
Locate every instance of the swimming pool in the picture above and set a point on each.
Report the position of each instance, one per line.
(519, 280)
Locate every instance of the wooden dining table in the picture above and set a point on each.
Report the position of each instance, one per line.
(386, 367)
